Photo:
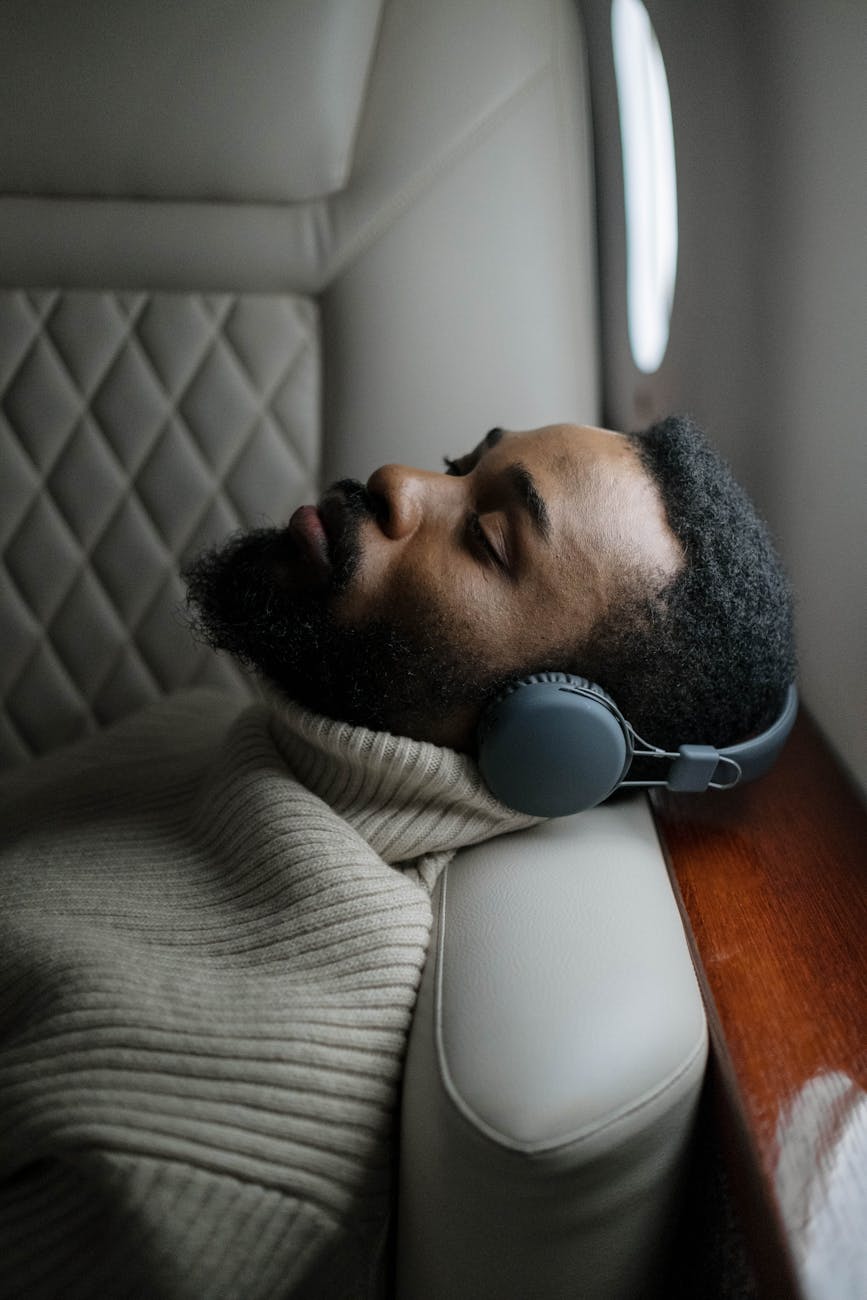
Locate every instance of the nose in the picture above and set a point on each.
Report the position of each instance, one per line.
(406, 497)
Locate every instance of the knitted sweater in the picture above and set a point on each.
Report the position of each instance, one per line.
(208, 964)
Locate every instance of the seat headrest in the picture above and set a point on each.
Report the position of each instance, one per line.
(257, 102)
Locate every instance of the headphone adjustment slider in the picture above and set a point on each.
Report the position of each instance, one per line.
(695, 767)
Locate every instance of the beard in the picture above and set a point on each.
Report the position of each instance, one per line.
(253, 598)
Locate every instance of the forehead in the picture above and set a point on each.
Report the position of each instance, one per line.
(578, 465)
(561, 448)
(601, 500)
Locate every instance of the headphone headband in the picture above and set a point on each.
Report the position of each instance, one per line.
(755, 756)
(553, 744)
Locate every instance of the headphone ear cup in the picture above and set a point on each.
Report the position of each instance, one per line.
(553, 744)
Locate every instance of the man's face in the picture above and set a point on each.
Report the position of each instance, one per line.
(404, 604)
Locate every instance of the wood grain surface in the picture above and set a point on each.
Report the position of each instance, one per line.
(772, 883)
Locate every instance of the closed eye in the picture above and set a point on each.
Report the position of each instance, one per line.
(483, 541)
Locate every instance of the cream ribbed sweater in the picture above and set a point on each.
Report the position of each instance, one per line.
(208, 964)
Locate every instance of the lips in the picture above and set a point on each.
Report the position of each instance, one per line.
(307, 528)
(326, 535)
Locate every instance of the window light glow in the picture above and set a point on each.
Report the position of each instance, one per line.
(649, 182)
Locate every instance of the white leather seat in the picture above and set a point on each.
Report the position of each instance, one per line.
(557, 1050)
(248, 250)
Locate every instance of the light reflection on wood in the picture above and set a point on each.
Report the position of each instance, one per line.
(820, 1183)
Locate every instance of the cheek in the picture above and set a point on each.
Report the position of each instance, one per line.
(558, 611)
(453, 604)
(457, 603)
(581, 592)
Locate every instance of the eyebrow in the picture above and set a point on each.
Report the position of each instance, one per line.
(528, 495)
(523, 485)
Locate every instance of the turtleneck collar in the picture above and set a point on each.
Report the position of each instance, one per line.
(406, 798)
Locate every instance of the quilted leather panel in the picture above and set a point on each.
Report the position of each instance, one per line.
(134, 429)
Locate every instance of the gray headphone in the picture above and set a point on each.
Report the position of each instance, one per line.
(553, 744)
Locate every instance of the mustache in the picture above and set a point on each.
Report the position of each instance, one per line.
(344, 507)
(358, 502)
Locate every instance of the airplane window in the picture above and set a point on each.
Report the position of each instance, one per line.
(649, 181)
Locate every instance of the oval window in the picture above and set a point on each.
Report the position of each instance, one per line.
(649, 182)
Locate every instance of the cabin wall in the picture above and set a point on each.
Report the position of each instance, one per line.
(711, 368)
(809, 68)
(768, 347)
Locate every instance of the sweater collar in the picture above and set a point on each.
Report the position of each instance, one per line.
(404, 797)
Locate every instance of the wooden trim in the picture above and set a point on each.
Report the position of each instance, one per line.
(772, 884)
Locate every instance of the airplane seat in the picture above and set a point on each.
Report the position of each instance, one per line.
(249, 249)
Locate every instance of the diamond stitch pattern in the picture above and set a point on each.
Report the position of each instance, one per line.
(85, 331)
(42, 398)
(18, 328)
(130, 407)
(134, 429)
(86, 483)
(19, 483)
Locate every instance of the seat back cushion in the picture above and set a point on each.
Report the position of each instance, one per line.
(163, 171)
(135, 428)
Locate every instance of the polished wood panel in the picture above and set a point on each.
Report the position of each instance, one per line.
(772, 882)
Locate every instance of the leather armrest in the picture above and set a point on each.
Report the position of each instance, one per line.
(555, 1062)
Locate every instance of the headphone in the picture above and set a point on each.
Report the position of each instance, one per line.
(552, 744)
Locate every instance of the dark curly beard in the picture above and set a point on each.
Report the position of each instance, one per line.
(246, 598)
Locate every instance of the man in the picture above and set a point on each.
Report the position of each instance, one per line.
(406, 604)
(213, 918)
